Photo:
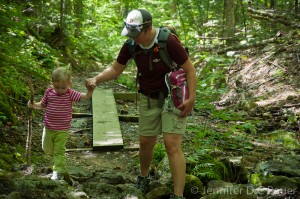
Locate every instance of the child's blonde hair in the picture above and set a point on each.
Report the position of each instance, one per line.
(61, 74)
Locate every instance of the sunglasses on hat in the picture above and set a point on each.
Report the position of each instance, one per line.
(134, 28)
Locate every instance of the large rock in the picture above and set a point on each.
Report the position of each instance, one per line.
(282, 166)
(159, 192)
(78, 195)
(281, 182)
(236, 170)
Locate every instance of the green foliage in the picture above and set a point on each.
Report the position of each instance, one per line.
(247, 127)
(6, 113)
(159, 153)
(215, 141)
(212, 81)
(128, 81)
(10, 156)
(32, 44)
(31, 186)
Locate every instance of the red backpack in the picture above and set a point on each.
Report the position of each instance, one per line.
(177, 86)
(176, 79)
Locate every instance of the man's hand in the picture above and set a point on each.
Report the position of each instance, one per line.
(90, 84)
(186, 107)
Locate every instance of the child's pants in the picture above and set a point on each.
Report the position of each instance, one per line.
(54, 144)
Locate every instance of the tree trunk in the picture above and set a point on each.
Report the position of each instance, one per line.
(272, 4)
(68, 7)
(61, 14)
(229, 21)
(244, 18)
(296, 6)
(78, 8)
(200, 18)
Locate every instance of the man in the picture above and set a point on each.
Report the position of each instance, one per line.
(154, 119)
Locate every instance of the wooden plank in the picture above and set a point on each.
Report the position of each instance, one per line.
(79, 149)
(132, 96)
(128, 118)
(106, 126)
(80, 115)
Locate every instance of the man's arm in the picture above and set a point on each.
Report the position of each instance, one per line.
(187, 105)
(108, 74)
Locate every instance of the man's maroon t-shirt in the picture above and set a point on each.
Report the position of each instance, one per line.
(153, 79)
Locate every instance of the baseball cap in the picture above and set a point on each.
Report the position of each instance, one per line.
(136, 20)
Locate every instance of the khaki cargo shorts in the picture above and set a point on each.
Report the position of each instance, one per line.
(155, 121)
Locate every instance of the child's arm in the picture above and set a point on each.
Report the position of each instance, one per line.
(36, 105)
(88, 94)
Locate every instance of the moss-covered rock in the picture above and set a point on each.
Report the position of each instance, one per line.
(280, 182)
(193, 187)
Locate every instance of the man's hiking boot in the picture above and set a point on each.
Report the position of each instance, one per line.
(142, 183)
(176, 197)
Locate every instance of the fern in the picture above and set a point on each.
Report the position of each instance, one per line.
(205, 167)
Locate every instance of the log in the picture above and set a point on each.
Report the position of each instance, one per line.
(272, 17)
(245, 46)
(291, 105)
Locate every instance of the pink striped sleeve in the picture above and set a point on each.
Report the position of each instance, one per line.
(75, 95)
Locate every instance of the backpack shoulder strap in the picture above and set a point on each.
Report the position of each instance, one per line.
(162, 38)
(131, 46)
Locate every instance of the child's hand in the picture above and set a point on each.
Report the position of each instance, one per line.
(30, 104)
(91, 88)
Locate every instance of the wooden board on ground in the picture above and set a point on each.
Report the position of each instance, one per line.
(81, 115)
(106, 127)
(128, 118)
(133, 96)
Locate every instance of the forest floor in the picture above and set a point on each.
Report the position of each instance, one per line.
(79, 145)
(245, 74)
(85, 162)
(126, 160)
